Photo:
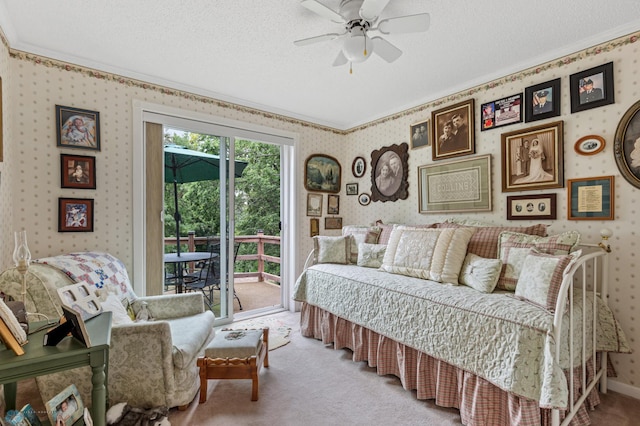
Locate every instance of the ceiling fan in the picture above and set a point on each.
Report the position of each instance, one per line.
(359, 18)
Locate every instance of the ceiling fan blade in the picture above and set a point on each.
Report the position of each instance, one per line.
(405, 24)
(323, 10)
(385, 50)
(316, 39)
(340, 60)
(371, 9)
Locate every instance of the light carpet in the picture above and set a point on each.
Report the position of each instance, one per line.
(279, 332)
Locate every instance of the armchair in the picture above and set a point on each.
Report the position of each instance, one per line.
(151, 363)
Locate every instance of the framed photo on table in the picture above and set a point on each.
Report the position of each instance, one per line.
(542, 101)
(526, 207)
(533, 158)
(592, 88)
(453, 131)
(591, 198)
(77, 171)
(66, 406)
(77, 128)
(75, 215)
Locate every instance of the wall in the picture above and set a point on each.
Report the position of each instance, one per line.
(6, 178)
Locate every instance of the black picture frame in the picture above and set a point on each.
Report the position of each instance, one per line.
(542, 101)
(77, 128)
(358, 167)
(602, 92)
(352, 189)
(77, 171)
(534, 206)
(75, 215)
(392, 184)
(501, 112)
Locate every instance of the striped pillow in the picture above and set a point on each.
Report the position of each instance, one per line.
(360, 234)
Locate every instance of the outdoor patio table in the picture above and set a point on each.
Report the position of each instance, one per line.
(185, 257)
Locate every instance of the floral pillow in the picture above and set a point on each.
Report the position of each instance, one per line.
(480, 273)
(541, 277)
(371, 255)
(360, 234)
(331, 249)
(513, 248)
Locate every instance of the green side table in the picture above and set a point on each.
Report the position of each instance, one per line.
(70, 353)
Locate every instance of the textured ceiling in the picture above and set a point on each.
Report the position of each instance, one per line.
(242, 50)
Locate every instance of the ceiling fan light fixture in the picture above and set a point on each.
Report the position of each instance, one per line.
(358, 47)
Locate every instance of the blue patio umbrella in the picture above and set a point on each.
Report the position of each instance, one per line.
(183, 165)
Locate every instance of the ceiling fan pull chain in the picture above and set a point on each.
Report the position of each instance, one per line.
(365, 43)
(350, 67)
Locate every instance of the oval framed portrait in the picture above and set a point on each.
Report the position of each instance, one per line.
(589, 145)
(626, 145)
(364, 199)
(359, 167)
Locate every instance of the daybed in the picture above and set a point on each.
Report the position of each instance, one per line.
(152, 362)
(501, 356)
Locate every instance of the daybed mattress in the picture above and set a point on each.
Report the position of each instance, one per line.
(495, 336)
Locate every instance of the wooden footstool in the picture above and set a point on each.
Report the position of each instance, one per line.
(235, 354)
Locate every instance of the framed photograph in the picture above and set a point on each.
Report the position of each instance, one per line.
(358, 167)
(501, 112)
(352, 189)
(364, 199)
(332, 223)
(589, 145)
(591, 198)
(533, 158)
(66, 406)
(77, 171)
(77, 128)
(453, 131)
(333, 204)
(75, 215)
(80, 298)
(419, 134)
(542, 101)
(322, 173)
(592, 88)
(526, 207)
(626, 145)
(314, 204)
(11, 332)
(78, 327)
(314, 227)
(389, 173)
(455, 186)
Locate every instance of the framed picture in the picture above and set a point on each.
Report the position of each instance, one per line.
(314, 227)
(501, 112)
(77, 128)
(419, 134)
(389, 173)
(592, 88)
(455, 186)
(352, 189)
(591, 198)
(589, 145)
(66, 406)
(333, 204)
(533, 158)
(332, 223)
(358, 167)
(314, 204)
(525, 207)
(75, 215)
(80, 298)
(364, 199)
(453, 131)
(626, 145)
(77, 171)
(542, 101)
(11, 332)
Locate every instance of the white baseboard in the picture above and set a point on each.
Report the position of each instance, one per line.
(623, 388)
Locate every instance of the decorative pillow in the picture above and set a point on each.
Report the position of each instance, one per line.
(541, 277)
(513, 248)
(371, 255)
(480, 273)
(360, 234)
(433, 254)
(484, 242)
(385, 232)
(119, 314)
(331, 249)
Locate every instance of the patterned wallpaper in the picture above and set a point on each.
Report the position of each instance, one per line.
(30, 176)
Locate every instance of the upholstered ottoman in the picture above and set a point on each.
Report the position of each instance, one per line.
(235, 354)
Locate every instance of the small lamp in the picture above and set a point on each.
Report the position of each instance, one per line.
(22, 258)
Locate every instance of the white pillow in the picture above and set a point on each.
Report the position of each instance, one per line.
(332, 249)
(480, 273)
(119, 313)
(432, 254)
(371, 255)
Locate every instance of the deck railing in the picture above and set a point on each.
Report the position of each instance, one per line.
(260, 239)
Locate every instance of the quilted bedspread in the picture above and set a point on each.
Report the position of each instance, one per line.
(495, 336)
